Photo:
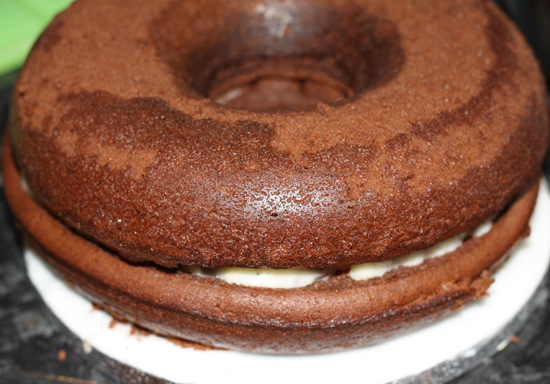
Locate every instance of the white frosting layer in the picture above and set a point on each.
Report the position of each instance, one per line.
(296, 278)
(263, 277)
(369, 270)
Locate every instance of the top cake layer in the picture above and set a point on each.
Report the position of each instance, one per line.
(414, 122)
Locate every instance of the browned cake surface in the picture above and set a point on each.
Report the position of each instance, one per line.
(401, 124)
(326, 316)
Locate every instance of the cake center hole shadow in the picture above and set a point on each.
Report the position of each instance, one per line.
(275, 56)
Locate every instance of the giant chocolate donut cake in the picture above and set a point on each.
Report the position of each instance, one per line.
(165, 136)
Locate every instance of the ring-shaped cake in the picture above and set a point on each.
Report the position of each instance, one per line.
(276, 134)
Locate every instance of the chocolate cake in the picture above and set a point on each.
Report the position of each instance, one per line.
(302, 134)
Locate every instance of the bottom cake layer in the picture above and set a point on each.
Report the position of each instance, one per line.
(449, 347)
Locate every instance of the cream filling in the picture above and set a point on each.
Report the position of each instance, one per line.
(369, 270)
(262, 277)
(296, 278)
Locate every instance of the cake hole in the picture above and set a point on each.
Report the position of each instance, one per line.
(276, 56)
(278, 85)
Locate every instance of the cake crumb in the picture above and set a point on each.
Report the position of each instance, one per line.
(86, 346)
(139, 331)
(61, 355)
(189, 344)
(502, 345)
(324, 109)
